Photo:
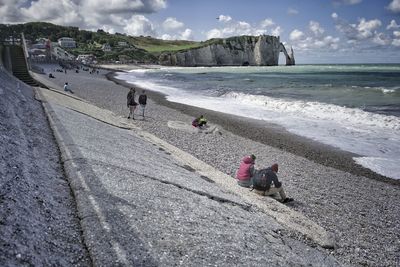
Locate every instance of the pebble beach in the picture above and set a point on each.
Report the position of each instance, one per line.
(358, 206)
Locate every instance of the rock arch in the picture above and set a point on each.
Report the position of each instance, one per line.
(289, 58)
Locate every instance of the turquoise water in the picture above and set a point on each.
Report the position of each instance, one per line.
(374, 88)
(353, 107)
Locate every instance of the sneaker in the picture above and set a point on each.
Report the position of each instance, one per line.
(133, 118)
(129, 117)
(287, 200)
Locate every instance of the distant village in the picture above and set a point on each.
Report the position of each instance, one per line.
(43, 50)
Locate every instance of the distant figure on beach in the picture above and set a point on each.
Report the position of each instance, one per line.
(131, 103)
(67, 89)
(51, 75)
(246, 171)
(262, 183)
(199, 122)
(143, 102)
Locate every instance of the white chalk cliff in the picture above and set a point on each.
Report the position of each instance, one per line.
(260, 50)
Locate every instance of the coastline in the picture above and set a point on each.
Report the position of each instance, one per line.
(356, 209)
(270, 134)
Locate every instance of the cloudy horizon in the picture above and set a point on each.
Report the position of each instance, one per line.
(334, 31)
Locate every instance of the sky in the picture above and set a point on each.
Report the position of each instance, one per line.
(320, 31)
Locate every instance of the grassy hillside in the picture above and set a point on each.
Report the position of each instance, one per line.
(141, 48)
(154, 45)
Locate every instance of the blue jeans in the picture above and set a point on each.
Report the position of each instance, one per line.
(245, 183)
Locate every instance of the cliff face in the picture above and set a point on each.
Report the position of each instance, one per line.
(260, 50)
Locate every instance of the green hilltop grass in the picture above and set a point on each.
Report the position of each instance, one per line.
(158, 46)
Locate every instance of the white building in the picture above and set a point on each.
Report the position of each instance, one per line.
(66, 42)
(106, 47)
(123, 44)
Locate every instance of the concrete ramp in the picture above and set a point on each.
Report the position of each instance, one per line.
(143, 201)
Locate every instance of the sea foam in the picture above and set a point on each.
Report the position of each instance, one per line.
(375, 137)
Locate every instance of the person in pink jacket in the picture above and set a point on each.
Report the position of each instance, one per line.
(246, 171)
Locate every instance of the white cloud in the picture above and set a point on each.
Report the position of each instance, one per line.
(365, 34)
(65, 12)
(277, 31)
(224, 18)
(214, 33)
(365, 27)
(381, 39)
(187, 34)
(315, 38)
(296, 35)
(172, 27)
(266, 23)
(237, 28)
(316, 28)
(292, 11)
(89, 14)
(139, 25)
(392, 25)
(396, 34)
(244, 25)
(396, 42)
(166, 36)
(171, 24)
(121, 6)
(394, 6)
(317, 43)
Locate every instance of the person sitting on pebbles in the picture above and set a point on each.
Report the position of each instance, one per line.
(262, 182)
(199, 122)
(246, 171)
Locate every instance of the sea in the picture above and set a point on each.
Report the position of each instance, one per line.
(352, 107)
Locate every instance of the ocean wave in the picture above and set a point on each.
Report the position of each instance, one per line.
(388, 91)
(318, 111)
(382, 89)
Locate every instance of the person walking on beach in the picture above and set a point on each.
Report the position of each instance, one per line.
(131, 103)
(143, 102)
(246, 171)
(67, 89)
(262, 183)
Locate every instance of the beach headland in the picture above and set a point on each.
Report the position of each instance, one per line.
(359, 209)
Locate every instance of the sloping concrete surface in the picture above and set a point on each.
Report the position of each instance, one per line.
(144, 202)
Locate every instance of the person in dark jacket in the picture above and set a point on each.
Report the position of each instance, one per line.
(131, 103)
(272, 179)
(143, 102)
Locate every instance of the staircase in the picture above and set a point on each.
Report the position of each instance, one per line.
(19, 67)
